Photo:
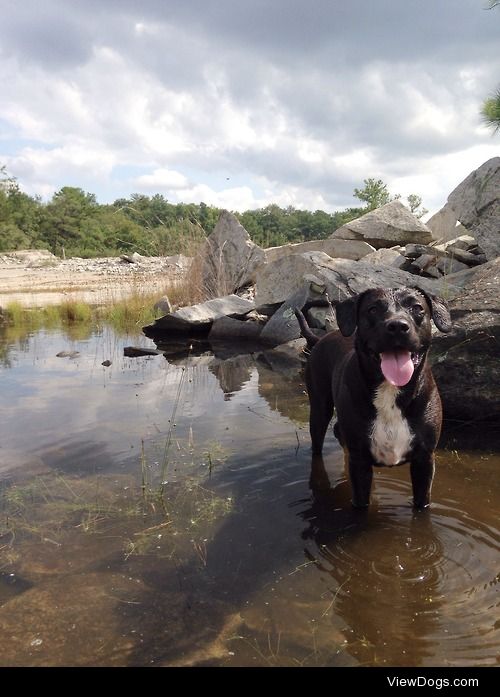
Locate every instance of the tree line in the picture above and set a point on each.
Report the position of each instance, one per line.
(73, 223)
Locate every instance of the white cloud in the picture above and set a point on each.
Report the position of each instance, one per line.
(296, 107)
(161, 179)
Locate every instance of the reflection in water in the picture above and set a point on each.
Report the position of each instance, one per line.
(244, 560)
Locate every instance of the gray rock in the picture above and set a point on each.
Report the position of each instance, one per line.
(432, 272)
(342, 249)
(423, 262)
(163, 305)
(413, 251)
(386, 257)
(444, 225)
(466, 257)
(465, 242)
(386, 226)
(342, 278)
(476, 204)
(230, 258)
(199, 317)
(466, 362)
(321, 318)
(449, 265)
(283, 325)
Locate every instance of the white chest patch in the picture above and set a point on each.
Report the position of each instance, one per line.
(391, 437)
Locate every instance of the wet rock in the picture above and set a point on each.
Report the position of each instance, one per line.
(199, 318)
(230, 257)
(466, 362)
(230, 328)
(386, 226)
(476, 204)
(138, 351)
(288, 358)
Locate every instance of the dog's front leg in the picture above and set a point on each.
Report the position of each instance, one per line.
(360, 475)
(422, 474)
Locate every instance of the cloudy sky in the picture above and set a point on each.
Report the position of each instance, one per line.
(241, 103)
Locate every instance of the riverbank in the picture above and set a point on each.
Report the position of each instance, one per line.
(35, 279)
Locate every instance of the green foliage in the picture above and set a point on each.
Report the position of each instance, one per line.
(72, 223)
(414, 204)
(374, 193)
(490, 111)
(273, 226)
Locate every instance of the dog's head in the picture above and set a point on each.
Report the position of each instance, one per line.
(393, 328)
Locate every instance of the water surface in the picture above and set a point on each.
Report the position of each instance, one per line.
(248, 557)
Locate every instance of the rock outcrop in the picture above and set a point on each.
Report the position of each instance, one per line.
(342, 278)
(230, 258)
(337, 249)
(476, 204)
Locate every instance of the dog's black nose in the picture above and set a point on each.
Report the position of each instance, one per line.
(398, 326)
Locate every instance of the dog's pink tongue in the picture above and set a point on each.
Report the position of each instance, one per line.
(397, 367)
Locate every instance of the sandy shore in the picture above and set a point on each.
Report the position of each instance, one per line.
(40, 282)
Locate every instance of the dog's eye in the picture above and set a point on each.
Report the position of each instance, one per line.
(417, 309)
(373, 310)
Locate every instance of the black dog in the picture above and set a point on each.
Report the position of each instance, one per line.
(388, 406)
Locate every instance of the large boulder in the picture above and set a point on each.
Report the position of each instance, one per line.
(230, 258)
(476, 204)
(199, 318)
(385, 227)
(342, 278)
(466, 362)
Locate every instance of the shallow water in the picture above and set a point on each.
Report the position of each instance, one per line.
(248, 557)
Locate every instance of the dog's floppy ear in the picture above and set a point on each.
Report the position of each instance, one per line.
(439, 311)
(347, 315)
